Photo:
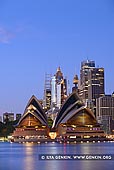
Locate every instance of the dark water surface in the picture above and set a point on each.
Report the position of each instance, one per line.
(14, 156)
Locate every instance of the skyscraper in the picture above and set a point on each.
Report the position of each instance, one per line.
(105, 112)
(91, 82)
(95, 84)
(86, 66)
(58, 89)
(53, 91)
(47, 92)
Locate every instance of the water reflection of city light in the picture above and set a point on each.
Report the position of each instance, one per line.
(29, 160)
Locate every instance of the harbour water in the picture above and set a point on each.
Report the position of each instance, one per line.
(15, 156)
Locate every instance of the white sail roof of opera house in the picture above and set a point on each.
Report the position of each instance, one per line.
(75, 112)
(35, 110)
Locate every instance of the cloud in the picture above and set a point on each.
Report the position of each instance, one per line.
(5, 35)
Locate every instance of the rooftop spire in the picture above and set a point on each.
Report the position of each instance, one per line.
(58, 69)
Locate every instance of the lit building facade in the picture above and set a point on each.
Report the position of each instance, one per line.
(53, 91)
(59, 95)
(95, 84)
(8, 117)
(47, 92)
(76, 122)
(105, 112)
(33, 125)
(58, 89)
(86, 66)
(91, 83)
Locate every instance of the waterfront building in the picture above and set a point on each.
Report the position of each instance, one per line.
(105, 112)
(33, 124)
(77, 122)
(7, 117)
(74, 121)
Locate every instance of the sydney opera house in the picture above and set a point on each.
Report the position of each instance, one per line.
(74, 122)
(33, 124)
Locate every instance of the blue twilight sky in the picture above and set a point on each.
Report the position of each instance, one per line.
(37, 36)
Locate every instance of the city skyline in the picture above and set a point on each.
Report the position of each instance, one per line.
(36, 38)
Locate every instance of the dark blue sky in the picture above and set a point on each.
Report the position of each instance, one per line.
(37, 36)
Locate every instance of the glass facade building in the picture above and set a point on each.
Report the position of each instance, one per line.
(91, 82)
(105, 112)
(53, 91)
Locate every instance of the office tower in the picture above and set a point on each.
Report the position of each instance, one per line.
(91, 82)
(65, 89)
(7, 117)
(47, 92)
(105, 112)
(60, 84)
(53, 91)
(62, 87)
(86, 66)
(59, 87)
(61, 92)
(95, 84)
(59, 95)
